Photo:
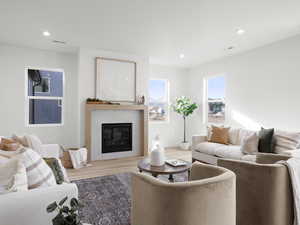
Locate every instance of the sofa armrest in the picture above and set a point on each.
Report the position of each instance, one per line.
(270, 158)
(52, 151)
(29, 207)
(197, 139)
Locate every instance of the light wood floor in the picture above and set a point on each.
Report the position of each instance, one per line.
(115, 166)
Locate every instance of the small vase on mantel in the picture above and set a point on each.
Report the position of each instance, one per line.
(157, 154)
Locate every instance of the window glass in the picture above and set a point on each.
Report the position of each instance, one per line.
(158, 100)
(44, 96)
(216, 99)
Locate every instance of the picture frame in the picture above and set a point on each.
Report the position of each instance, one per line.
(115, 80)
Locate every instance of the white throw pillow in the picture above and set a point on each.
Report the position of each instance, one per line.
(13, 176)
(234, 136)
(20, 139)
(39, 174)
(286, 141)
(243, 133)
(250, 144)
(35, 143)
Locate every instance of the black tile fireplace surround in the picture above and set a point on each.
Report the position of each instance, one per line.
(116, 137)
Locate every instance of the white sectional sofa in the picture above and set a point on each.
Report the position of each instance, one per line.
(209, 152)
(29, 207)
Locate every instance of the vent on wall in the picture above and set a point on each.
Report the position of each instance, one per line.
(59, 42)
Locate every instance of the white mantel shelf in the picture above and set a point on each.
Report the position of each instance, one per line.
(89, 108)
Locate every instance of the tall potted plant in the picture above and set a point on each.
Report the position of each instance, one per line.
(185, 107)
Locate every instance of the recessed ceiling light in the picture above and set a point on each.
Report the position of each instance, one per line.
(181, 56)
(240, 31)
(46, 33)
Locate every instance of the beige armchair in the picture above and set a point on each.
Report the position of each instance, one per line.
(264, 191)
(207, 199)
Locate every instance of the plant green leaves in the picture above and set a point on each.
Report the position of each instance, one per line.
(52, 207)
(63, 201)
(184, 106)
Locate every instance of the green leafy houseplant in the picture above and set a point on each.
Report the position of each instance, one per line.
(185, 107)
(66, 215)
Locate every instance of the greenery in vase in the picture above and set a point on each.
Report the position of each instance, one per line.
(66, 215)
(185, 107)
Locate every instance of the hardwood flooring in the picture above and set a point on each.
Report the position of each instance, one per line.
(115, 166)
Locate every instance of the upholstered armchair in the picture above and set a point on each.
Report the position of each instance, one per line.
(207, 199)
(264, 191)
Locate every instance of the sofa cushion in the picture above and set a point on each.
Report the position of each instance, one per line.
(220, 150)
(229, 152)
(266, 140)
(208, 147)
(286, 141)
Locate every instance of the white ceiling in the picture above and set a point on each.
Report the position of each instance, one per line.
(163, 29)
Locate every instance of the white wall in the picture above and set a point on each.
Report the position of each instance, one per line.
(86, 81)
(262, 87)
(171, 133)
(13, 61)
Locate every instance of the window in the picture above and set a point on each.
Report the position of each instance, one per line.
(215, 99)
(158, 100)
(44, 97)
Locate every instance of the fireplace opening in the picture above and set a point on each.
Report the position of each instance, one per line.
(116, 137)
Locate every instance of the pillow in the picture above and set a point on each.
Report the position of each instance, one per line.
(20, 139)
(286, 141)
(266, 140)
(35, 143)
(38, 172)
(56, 169)
(250, 144)
(220, 135)
(9, 144)
(13, 176)
(234, 136)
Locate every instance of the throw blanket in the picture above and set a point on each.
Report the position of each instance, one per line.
(293, 165)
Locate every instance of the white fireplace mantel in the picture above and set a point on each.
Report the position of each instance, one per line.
(143, 109)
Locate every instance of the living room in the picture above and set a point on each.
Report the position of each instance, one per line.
(112, 94)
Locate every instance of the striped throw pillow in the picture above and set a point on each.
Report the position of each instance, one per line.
(38, 172)
(13, 176)
(285, 141)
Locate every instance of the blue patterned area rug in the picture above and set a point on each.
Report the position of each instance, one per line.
(107, 200)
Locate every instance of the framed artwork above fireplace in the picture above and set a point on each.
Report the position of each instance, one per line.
(115, 80)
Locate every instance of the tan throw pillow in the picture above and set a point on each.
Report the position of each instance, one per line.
(9, 144)
(220, 135)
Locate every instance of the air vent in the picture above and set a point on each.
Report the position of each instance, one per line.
(59, 42)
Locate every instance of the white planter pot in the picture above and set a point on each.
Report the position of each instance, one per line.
(184, 145)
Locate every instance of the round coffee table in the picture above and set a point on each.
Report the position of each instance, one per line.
(144, 165)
